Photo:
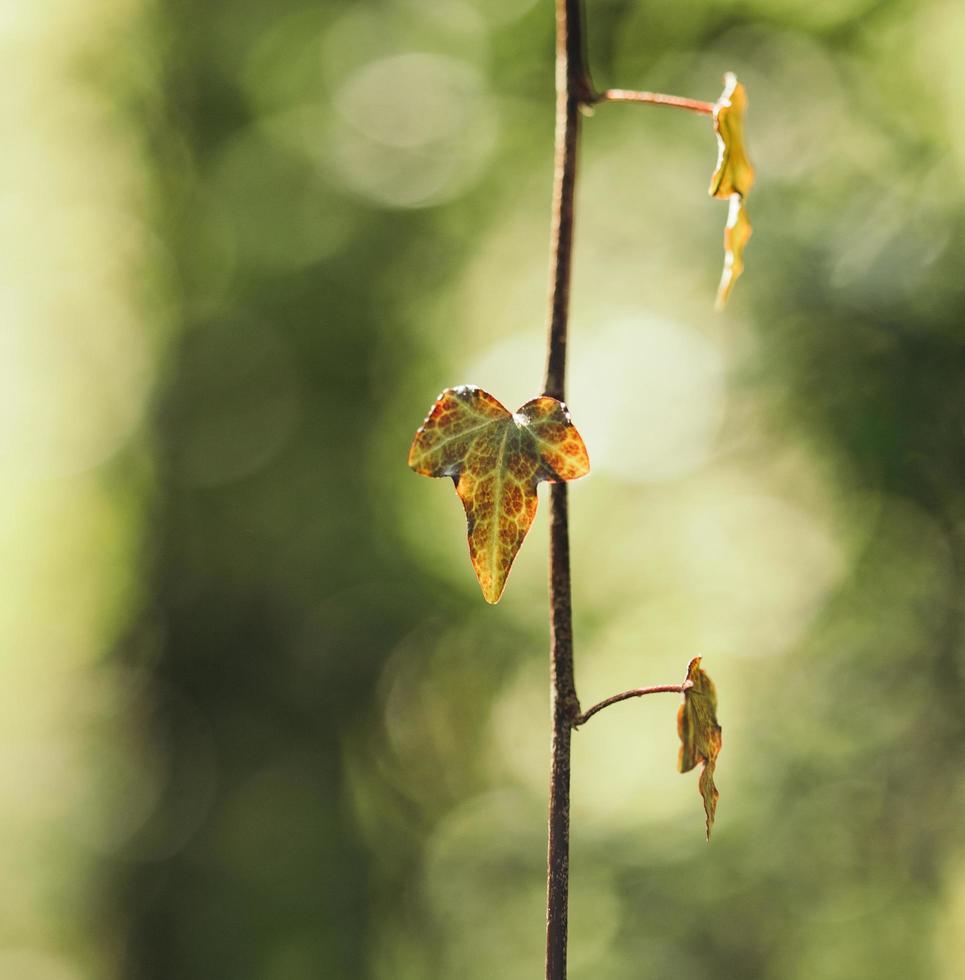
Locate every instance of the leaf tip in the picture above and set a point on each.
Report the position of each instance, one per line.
(492, 591)
(737, 233)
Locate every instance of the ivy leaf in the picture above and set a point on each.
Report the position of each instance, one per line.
(700, 735)
(496, 459)
(732, 179)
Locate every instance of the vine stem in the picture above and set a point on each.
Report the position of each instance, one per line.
(573, 90)
(636, 692)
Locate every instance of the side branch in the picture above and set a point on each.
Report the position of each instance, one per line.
(636, 692)
(654, 98)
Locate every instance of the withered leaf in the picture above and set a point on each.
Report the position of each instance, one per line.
(700, 735)
(732, 179)
(734, 173)
(496, 459)
(736, 233)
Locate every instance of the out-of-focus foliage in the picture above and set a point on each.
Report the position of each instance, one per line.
(496, 459)
(255, 722)
(699, 733)
(732, 180)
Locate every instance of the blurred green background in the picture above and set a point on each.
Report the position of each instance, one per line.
(256, 722)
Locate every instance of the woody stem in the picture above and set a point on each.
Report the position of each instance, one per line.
(573, 90)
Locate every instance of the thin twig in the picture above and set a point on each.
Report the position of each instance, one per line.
(573, 89)
(654, 98)
(636, 692)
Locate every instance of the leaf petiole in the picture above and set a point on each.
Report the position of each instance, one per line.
(636, 692)
(654, 98)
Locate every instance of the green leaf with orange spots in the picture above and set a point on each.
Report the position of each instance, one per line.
(699, 733)
(732, 179)
(496, 459)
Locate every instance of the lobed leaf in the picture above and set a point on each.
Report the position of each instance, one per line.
(700, 735)
(496, 460)
(732, 179)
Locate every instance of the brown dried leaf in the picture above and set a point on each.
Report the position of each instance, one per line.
(700, 735)
(496, 459)
(732, 179)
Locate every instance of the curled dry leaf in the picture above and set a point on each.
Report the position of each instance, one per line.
(496, 459)
(700, 735)
(732, 179)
